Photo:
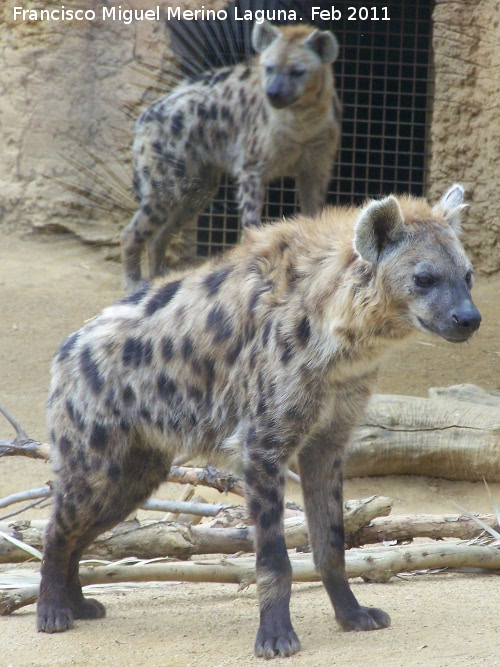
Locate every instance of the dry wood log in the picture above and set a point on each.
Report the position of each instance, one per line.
(445, 438)
(156, 539)
(370, 564)
(469, 393)
(404, 528)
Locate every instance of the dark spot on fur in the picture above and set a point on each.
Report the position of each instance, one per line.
(75, 415)
(270, 517)
(180, 168)
(273, 555)
(187, 347)
(90, 370)
(133, 351)
(177, 123)
(209, 368)
(167, 349)
(220, 76)
(337, 538)
(254, 508)
(250, 476)
(203, 112)
(98, 437)
(166, 386)
(137, 296)
(195, 393)
(128, 395)
(337, 493)
(67, 345)
(303, 331)
(245, 74)
(234, 352)
(114, 472)
(215, 279)
(218, 321)
(148, 353)
(65, 445)
(287, 353)
(267, 331)
(162, 297)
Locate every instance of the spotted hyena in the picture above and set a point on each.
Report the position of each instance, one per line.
(277, 116)
(270, 350)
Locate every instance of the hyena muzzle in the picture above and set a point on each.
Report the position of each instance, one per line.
(267, 352)
(277, 116)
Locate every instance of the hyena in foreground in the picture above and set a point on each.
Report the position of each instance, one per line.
(269, 351)
(277, 116)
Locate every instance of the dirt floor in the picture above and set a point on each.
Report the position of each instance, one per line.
(48, 287)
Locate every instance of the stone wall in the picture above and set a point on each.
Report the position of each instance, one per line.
(71, 90)
(69, 95)
(466, 118)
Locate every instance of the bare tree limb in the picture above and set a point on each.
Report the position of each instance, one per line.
(371, 564)
(153, 539)
(21, 435)
(408, 527)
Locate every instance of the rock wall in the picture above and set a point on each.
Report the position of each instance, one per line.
(70, 92)
(465, 131)
(69, 95)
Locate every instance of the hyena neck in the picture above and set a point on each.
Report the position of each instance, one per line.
(356, 320)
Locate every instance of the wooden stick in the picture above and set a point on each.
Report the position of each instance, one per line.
(408, 527)
(153, 539)
(371, 564)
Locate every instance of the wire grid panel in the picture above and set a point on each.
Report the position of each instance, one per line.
(384, 79)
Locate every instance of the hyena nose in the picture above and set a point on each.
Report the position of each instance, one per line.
(277, 98)
(467, 319)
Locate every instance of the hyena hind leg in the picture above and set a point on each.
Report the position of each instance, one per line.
(75, 525)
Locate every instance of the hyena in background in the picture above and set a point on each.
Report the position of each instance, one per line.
(269, 351)
(277, 116)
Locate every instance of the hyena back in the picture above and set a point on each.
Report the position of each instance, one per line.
(277, 116)
(267, 352)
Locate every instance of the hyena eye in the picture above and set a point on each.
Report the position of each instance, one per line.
(424, 280)
(468, 279)
(269, 69)
(297, 72)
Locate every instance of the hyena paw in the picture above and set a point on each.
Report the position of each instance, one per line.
(270, 644)
(89, 608)
(54, 619)
(365, 618)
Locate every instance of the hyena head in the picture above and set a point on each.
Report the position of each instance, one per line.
(421, 265)
(294, 61)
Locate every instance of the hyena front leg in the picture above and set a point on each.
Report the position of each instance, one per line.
(265, 484)
(321, 475)
(250, 198)
(312, 185)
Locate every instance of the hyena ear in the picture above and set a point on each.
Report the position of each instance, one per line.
(451, 206)
(263, 35)
(380, 225)
(323, 43)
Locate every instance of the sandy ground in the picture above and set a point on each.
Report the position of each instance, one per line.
(48, 287)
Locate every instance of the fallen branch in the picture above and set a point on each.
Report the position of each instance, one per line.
(153, 539)
(371, 564)
(210, 477)
(408, 527)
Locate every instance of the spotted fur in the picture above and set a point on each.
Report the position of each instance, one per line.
(277, 116)
(268, 352)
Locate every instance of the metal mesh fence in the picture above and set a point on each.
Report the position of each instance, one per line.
(384, 79)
